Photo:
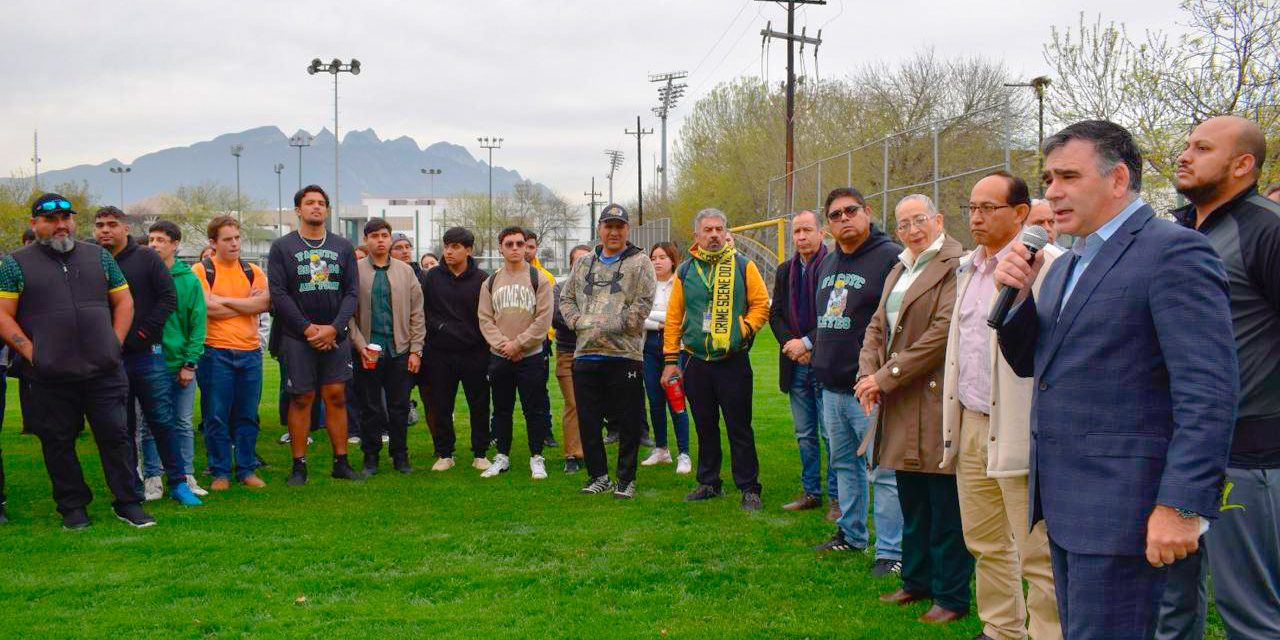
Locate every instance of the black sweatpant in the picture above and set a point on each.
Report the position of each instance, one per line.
(614, 388)
(935, 561)
(62, 408)
(529, 378)
(723, 387)
(390, 380)
(2, 396)
(439, 388)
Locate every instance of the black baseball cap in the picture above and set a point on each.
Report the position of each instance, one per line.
(614, 212)
(51, 204)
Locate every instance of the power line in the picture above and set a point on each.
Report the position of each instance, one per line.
(722, 35)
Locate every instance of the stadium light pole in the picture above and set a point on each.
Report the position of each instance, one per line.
(236, 150)
(121, 170)
(279, 167)
(1037, 84)
(490, 144)
(335, 67)
(300, 140)
(431, 200)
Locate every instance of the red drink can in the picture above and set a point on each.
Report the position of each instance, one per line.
(675, 394)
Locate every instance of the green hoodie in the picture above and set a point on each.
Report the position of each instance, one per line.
(184, 330)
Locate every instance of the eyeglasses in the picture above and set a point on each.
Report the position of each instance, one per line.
(54, 205)
(913, 223)
(850, 211)
(987, 208)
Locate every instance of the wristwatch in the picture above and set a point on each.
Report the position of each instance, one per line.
(1187, 514)
(189, 365)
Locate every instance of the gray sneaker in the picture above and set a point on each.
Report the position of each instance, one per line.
(599, 484)
(625, 492)
(751, 501)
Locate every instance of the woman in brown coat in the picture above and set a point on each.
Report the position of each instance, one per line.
(900, 368)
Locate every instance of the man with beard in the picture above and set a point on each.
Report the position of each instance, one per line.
(65, 308)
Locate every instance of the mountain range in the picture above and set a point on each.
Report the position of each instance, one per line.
(369, 165)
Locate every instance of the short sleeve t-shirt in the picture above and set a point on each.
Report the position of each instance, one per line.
(11, 280)
(240, 332)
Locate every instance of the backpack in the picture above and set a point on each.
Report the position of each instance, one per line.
(210, 273)
(534, 277)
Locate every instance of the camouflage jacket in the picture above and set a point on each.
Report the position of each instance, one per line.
(607, 304)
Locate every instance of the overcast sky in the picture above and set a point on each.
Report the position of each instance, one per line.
(559, 80)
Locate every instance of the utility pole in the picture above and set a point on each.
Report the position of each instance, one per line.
(791, 38)
(638, 133)
(35, 160)
(300, 140)
(1038, 84)
(593, 194)
(668, 94)
(490, 144)
(615, 160)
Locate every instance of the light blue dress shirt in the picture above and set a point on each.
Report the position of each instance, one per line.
(1087, 248)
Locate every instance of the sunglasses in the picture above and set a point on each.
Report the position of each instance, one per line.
(54, 205)
(513, 244)
(850, 211)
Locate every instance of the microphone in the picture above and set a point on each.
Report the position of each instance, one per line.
(1034, 238)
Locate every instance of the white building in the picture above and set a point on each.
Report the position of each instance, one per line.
(417, 216)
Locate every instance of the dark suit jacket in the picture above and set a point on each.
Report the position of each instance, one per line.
(1135, 386)
(778, 310)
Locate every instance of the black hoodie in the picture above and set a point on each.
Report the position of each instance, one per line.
(154, 296)
(450, 303)
(849, 288)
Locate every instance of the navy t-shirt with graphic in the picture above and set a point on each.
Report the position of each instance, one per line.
(312, 282)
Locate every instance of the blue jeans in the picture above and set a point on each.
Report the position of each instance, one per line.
(231, 385)
(184, 399)
(806, 413)
(658, 407)
(149, 389)
(846, 425)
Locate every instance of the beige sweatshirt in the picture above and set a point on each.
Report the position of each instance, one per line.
(510, 309)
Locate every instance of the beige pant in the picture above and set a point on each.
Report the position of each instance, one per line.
(568, 420)
(994, 512)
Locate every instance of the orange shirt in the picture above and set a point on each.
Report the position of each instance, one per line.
(240, 332)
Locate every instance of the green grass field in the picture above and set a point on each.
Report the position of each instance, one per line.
(443, 554)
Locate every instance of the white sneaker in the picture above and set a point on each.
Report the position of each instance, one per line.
(480, 463)
(500, 463)
(538, 467)
(386, 438)
(353, 440)
(442, 464)
(657, 456)
(684, 465)
(195, 487)
(284, 438)
(153, 488)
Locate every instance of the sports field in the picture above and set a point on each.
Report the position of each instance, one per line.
(443, 555)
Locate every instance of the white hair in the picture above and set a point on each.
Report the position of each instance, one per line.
(1035, 202)
(709, 212)
(929, 207)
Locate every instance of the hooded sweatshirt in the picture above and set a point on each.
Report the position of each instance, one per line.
(184, 330)
(450, 304)
(606, 303)
(153, 295)
(849, 288)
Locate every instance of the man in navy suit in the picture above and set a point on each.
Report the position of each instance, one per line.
(1135, 375)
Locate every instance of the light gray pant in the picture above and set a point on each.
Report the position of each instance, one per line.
(1244, 546)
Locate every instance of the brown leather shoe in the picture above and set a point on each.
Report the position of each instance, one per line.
(833, 511)
(220, 484)
(803, 503)
(941, 615)
(253, 481)
(902, 596)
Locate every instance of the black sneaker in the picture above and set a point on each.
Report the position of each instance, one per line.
(75, 520)
(751, 501)
(370, 464)
(703, 492)
(262, 464)
(134, 516)
(572, 465)
(626, 492)
(298, 476)
(342, 471)
(597, 485)
(611, 437)
(884, 567)
(401, 464)
(550, 443)
(837, 543)
(647, 442)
